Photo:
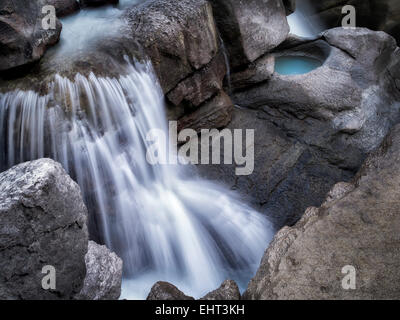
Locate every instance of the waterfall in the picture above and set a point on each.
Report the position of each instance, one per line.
(304, 22)
(164, 223)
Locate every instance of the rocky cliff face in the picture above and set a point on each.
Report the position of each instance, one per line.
(43, 223)
(357, 226)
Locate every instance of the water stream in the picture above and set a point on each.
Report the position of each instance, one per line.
(165, 224)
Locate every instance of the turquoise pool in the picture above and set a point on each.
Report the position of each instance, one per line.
(291, 65)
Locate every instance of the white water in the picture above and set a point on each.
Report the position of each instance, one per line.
(163, 222)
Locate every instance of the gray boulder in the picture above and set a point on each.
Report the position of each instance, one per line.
(228, 290)
(250, 28)
(103, 274)
(42, 223)
(357, 227)
(166, 291)
(22, 37)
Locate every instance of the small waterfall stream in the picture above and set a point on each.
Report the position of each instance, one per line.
(163, 222)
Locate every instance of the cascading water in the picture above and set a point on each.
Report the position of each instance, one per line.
(165, 224)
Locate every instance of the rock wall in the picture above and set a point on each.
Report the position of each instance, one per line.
(357, 226)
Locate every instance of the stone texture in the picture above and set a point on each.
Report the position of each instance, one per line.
(314, 130)
(357, 226)
(250, 28)
(42, 222)
(179, 36)
(103, 274)
(64, 7)
(216, 113)
(22, 38)
(380, 15)
(228, 290)
(166, 291)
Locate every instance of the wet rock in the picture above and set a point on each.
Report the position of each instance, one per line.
(166, 291)
(23, 40)
(228, 290)
(357, 226)
(377, 15)
(250, 28)
(103, 274)
(43, 223)
(64, 7)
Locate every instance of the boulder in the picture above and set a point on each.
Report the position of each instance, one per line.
(42, 223)
(356, 229)
(64, 7)
(379, 15)
(166, 291)
(250, 28)
(179, 36)
(228, 290)
(103, 274)
(23, 40)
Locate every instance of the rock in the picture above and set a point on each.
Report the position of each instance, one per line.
(42, 223)
(96, 3)
(103, 274)
(358, 227)
(250, 28)
(228, 290)
(22, 37)
(166, 291)
(344, 93)
(64, 7)
(191, 92)
(379, 15)
(316, 129)
(290, 6)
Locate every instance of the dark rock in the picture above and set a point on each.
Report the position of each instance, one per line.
(166, 291)
(357, 226)
(227, 291)
(64, 7)
(250, 28)
(22, 37)
(103, 274)
(43, 222)
(290, 6)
